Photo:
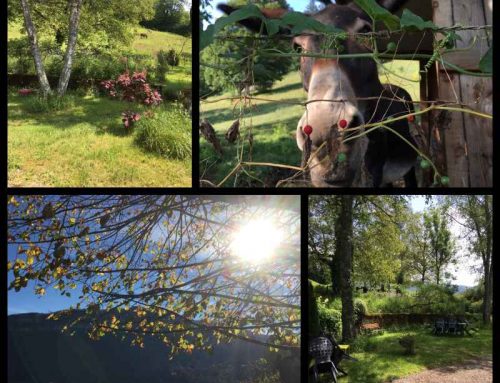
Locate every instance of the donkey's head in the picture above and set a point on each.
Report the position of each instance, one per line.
(339, 81)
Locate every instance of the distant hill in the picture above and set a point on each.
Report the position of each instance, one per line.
(39, 353)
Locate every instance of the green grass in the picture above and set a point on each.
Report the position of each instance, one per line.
(385, 359)
(273, 125)
(83, 146)
(177, 77)
(86, 145)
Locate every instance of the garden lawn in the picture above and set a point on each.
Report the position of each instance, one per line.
(273, 124)
(383, 360)
(85, 146)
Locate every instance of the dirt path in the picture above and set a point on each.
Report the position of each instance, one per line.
(477, 371)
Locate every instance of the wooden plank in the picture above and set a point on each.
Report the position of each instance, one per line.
(465, 59)
(488, 10)
(451, 128)
(442, 13)
(477, 92)
(471, 12)
(448, 127)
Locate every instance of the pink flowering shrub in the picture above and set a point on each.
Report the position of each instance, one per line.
(132, 88)
(129, 118)
(25, 92)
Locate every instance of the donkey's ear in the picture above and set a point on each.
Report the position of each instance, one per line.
(392, 5)
(255, 24)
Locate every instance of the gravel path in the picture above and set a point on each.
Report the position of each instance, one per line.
(477, 371)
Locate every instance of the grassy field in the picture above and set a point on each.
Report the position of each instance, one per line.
(83, 146)
(383, 359)
(177, 77)
(273, 124)
(86, 145)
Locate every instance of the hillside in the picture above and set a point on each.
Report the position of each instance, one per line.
(39, 352)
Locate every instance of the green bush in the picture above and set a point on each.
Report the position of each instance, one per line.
(162, 66)
(439, 299)
(53, 103)
(407, 341)
(360, 308)
(330, 316)
(167, 133)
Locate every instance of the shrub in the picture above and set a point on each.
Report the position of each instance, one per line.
(439, 299)
(330, 317)
(52, 103)
(162, 66)
(167, 133)
(407, 341)
(25, 91)
(129, 118)
(360, 309)
(132, 88)
(172, 58)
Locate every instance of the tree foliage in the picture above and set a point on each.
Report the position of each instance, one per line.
(234, 63)
(441, 241)
(160, 265)
(474, 213)
(170, 16)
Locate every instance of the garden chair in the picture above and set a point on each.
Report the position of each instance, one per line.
(439, 327)
(452, 326)
(321, 349)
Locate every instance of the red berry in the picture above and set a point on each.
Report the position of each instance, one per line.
(342, 123)
(308, 129)
(411, 118)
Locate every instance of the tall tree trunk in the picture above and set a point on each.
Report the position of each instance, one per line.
(74, 18)
(35, 49)
(438, 269)
(487, 262)
(488, 296)
(343, 252)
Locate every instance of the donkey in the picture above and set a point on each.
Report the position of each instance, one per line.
(378, 158)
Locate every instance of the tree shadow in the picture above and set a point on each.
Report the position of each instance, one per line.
(101, 113)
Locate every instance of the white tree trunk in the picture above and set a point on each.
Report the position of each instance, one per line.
(35, 50)
(74, 18)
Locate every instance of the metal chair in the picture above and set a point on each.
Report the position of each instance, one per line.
(321, 349)
(439, 327)
(452, 326)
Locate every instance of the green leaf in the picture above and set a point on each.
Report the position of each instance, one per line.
(486, 61)
(248, 11)
(272, 26)
(411, 21)
(301, 22)
(378, 13)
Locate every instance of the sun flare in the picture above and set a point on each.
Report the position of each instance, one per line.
(256, 241)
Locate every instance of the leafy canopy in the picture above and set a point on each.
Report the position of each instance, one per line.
(160, 266)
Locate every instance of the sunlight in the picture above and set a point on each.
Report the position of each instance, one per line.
(256, 241)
